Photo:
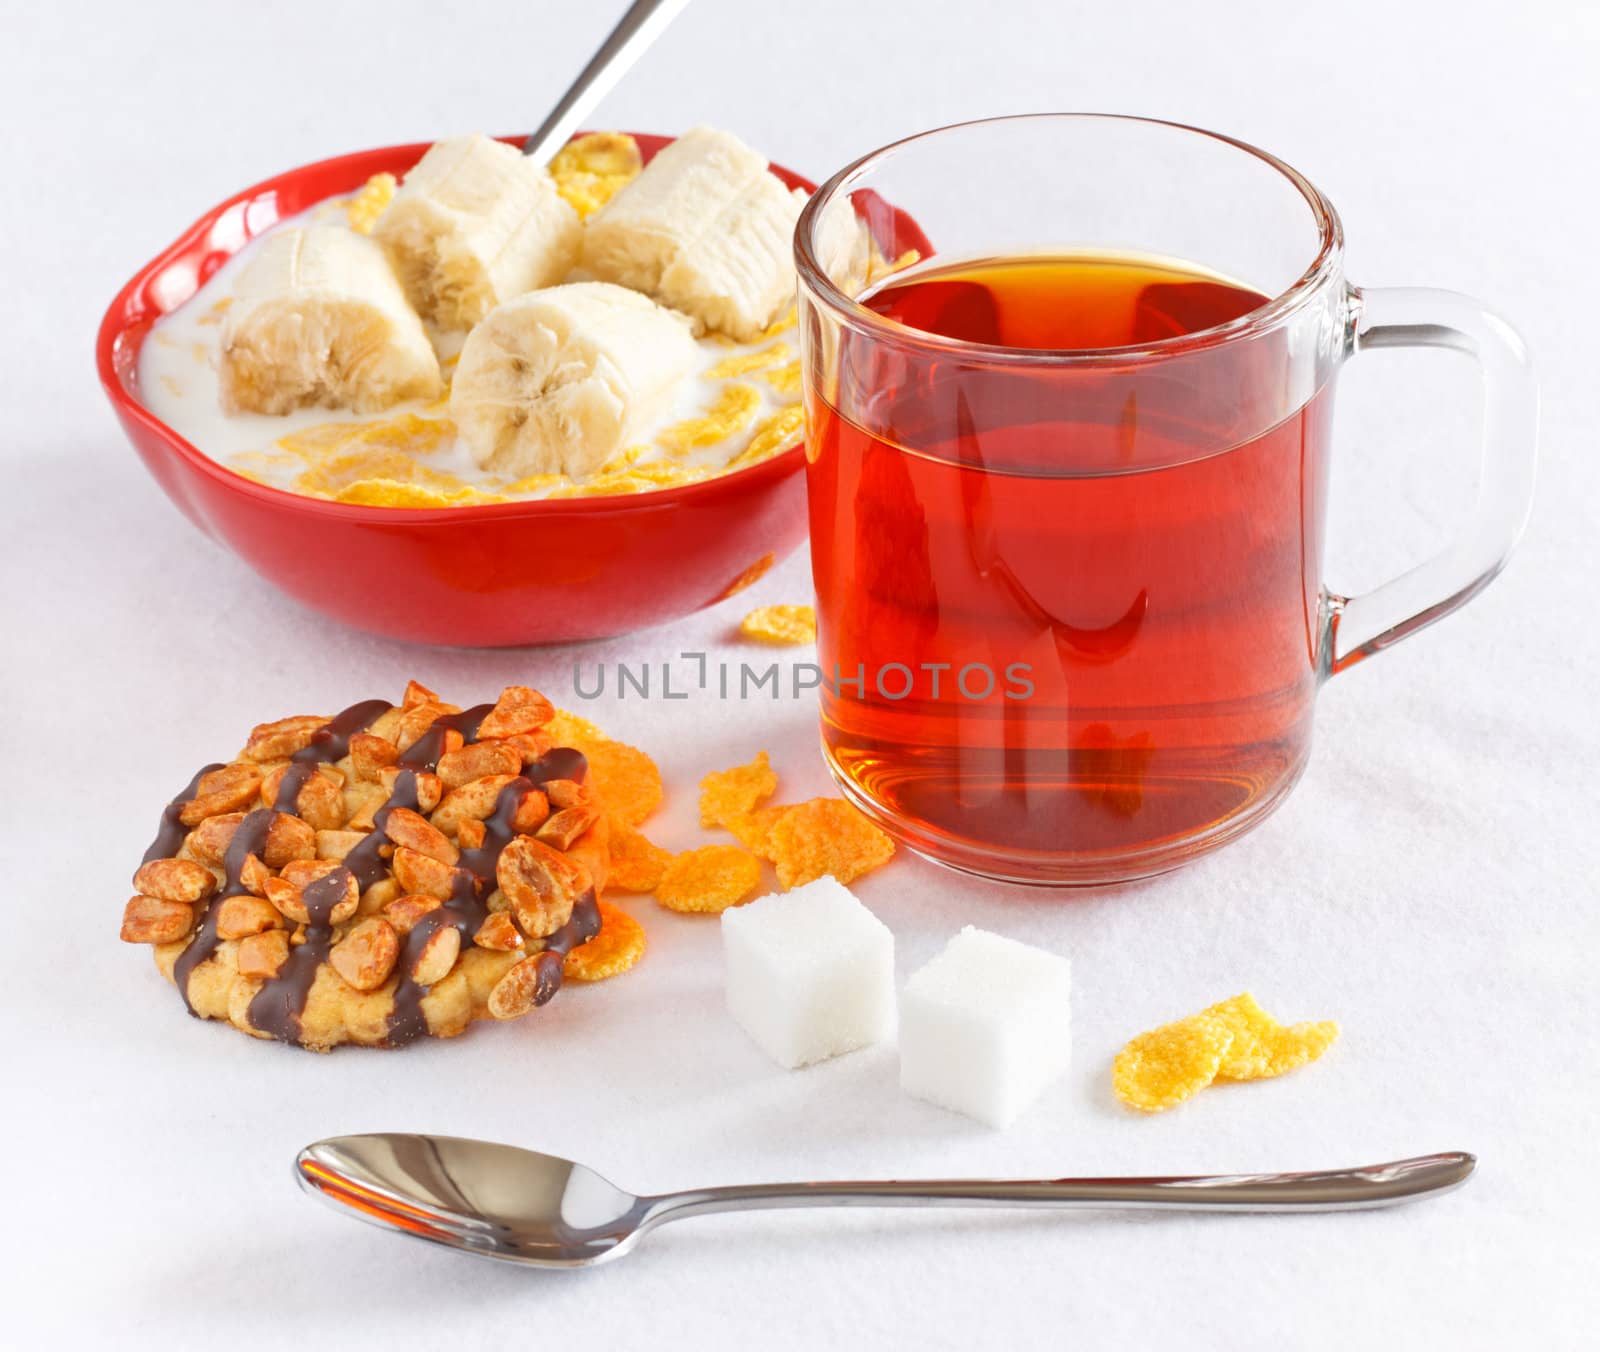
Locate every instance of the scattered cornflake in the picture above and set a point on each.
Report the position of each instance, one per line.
(636, 862)
(727, 794)
(753, 830)
(776, 433)
(826, 836)
(784, 379)
(363, 210)
(748, 576)
(1160, 1069)
(174, 388)
(590, 170)
(732, 412)
(709, 879)
(747, 362)
(1263, 1047)
(611, 952)
(624, 778)
(783, 625)
(570, 729)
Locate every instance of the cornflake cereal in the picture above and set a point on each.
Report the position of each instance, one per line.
(826, 837)
(1233, 1040)
(753, 830)
(729, 794)
(777, 433)
(709, 879)
(736, 407)
(625, 778)
(636, 863)
(783, 625)
(1262, 1047)
(1160, 1069)
(616, 948)
(590, 170)
(732, 412)
(363, 210)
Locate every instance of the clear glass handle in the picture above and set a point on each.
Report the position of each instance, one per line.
(1419, 317)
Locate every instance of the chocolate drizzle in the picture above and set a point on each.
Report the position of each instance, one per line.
(249, 838)
(474, 879)
(276, 1009)
(169, 839)
(329, 743)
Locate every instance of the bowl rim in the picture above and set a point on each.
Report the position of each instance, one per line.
(117, 322)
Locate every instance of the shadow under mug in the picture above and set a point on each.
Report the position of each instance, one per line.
(1071, 612)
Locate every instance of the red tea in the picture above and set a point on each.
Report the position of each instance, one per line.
(1073, 608)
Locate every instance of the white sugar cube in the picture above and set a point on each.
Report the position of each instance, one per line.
(986, 1026)
(810, 973)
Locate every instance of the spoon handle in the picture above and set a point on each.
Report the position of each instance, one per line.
(1372, 1185)
(635, 31)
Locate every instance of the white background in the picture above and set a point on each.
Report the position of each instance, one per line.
(1431, 884)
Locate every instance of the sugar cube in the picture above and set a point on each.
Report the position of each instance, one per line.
(985, 1026)
(810, 973)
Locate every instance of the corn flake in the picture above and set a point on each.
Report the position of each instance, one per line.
(590, 170)
(636, 863)
(746, 362)
(777, 433)
(753, 830)
(1263, 1047)
(363, 210)
(392, 493)
(625, 779)
(783, 625)
(570, 729)
(727, 794)
(785, 379)
(709, 879)
(611, 952)
(1160, 1069)
(826, 836)
(732, 412)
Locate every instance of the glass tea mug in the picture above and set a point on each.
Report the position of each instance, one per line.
(1072, 617)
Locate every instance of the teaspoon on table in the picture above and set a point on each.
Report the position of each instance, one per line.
(501, 1201)
(635, 31)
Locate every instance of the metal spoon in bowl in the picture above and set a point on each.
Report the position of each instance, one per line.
(500, 1201)
(636, 30)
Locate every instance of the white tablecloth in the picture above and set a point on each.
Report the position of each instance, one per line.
(1430, 884)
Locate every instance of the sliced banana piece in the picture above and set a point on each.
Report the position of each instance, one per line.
(704, 228)
(318, 318)
(476, 223)
(557, 381)
(737, 275)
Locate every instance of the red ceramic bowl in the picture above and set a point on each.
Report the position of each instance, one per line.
(510, 573)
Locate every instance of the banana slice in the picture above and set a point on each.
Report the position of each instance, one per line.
(557, 381)
(474, 224)
(318, 318)
(704, 228)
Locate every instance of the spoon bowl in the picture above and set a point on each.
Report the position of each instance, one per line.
(523, 1206)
